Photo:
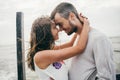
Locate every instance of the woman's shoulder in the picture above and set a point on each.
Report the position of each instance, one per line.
(41, 60)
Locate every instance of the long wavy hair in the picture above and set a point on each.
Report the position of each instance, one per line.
(40, 39)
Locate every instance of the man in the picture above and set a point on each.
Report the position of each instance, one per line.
(96, 62)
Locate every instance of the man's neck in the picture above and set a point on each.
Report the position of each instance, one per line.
(79, 28)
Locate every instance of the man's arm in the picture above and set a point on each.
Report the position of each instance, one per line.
(103, 54)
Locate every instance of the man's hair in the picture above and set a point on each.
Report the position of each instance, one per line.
(64, 9)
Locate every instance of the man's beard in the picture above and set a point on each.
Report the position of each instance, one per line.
(73, 28)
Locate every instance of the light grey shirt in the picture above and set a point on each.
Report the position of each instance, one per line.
(98, 56)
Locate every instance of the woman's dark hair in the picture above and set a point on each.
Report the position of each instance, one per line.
(40, 39)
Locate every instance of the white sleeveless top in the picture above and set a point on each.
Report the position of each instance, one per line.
(51, 71)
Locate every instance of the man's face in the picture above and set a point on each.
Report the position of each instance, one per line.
(65, 24)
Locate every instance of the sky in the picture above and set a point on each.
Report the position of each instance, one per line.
(103, 15)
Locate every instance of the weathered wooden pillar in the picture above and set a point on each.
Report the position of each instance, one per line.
(20, 46)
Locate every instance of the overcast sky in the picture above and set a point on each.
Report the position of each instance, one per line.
(103, 15)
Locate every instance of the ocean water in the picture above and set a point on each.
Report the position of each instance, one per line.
(8, 61)
(8, 64)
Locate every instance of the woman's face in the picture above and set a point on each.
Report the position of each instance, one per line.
(54, 31)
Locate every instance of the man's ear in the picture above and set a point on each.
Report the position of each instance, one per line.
(71, 16)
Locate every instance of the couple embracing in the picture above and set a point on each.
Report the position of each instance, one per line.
(91, 56)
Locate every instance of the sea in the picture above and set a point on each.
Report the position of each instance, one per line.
(8, 61)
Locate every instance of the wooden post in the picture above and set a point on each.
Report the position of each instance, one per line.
(117, 76)
(20, 46)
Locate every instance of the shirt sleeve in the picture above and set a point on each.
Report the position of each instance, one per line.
(103, 54)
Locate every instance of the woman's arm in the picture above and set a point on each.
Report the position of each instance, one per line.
(68, 44)
(46, 57)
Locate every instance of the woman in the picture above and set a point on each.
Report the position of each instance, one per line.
(47, 59)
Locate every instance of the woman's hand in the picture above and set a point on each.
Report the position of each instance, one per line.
(86, 24)
(82, 42)
(81, 17)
